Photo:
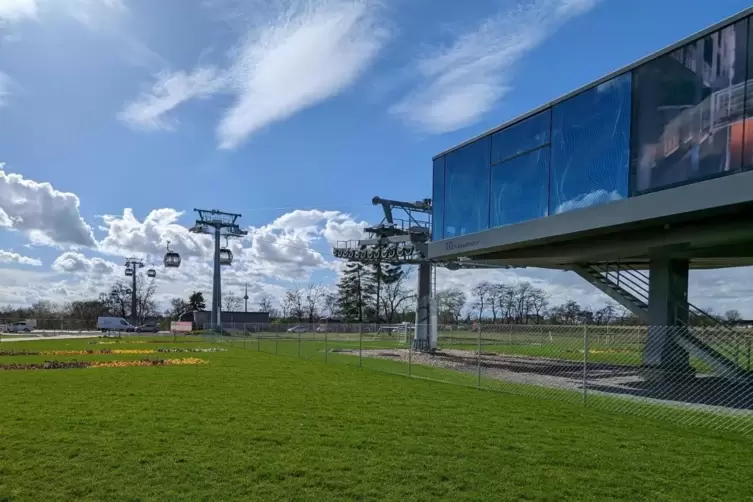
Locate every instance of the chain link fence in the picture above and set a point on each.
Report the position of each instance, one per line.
(693, 376)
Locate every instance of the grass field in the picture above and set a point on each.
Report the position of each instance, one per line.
(253, 426)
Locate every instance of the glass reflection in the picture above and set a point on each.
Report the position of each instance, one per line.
(437, 200)
(520, 190)
(467, 189)
(531, 133)
(590, 147)
(689, 109)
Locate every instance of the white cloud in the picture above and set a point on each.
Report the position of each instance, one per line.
(47, 215)
(11, 257)
(580, 201)
(305, 56)
(291, 58)
(149, 111)
(460, 82)
(127, 236)
(16, 10)
(76, 263)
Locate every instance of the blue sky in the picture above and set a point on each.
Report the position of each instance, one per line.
(310, 105)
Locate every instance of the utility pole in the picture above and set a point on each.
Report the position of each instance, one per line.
(219, 224)
(245, 299)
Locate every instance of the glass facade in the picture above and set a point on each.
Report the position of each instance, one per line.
(517, 191)
(437, 200)
(591, 147)
(466, 198)
(681, 118)
(689, 108)
(522, 137)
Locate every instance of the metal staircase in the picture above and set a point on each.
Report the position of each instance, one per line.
(703, 336)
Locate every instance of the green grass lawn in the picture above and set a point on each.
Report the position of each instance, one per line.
(255, 426)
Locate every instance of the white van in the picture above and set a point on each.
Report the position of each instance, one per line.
(106, 324)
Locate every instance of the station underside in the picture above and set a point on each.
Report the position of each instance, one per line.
(708, 223)
(718, 241)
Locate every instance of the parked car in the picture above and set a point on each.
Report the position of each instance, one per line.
(19, 327)
(297, 329)
(321, 329)
(148, 328)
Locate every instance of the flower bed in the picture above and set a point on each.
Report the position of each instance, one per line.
(57, 365)
(90, 352)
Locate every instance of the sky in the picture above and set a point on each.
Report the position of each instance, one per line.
(119, 117)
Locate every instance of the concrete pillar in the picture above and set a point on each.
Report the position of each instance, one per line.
(422, 340)
(668, 313)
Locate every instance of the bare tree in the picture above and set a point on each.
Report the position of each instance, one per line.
(292, 304)
(732, 315)
(480, 293)
(312, 299)
(231, 302)
(507, 302)
(450, 303)
(266, 304)
(539, 301)
(331, 305)
(394, 295)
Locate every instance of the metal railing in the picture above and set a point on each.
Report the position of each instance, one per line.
(597, 366)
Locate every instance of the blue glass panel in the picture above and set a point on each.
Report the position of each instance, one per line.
(467, 189)
(689, 109)
(521, 137)
(520, 188)
(437, 200)
(591, 147)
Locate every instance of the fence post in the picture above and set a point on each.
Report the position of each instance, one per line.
(360, 345)
(277, 341)
(325, 346)
(411, 339)
(299, 345)
(258, 341)
(478, 359)
(748, 354)
(585, 364)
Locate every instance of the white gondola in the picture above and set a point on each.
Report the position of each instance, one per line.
(172, 259)
(128, 272)
(151, 273)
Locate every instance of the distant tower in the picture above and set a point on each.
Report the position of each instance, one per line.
(245, 299)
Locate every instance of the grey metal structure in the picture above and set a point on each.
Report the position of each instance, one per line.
(404, 241)
(132, 265)
(220, 224)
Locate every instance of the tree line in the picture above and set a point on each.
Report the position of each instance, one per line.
(365, 293)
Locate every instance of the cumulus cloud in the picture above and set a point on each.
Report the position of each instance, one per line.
(292, 56)
(47, 215)
(127, 235)
(11, 257)
(458, 83)
(76, 263)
